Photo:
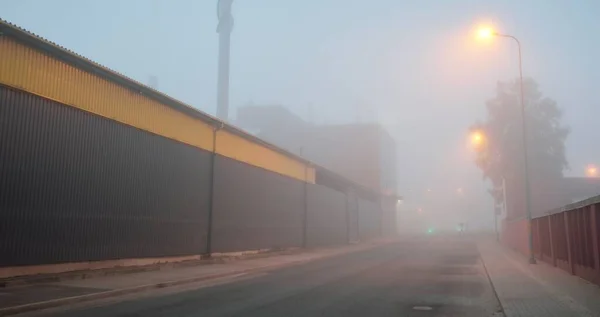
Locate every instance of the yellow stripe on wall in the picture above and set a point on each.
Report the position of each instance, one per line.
(28, 69)
(25, 68)
(235, 147)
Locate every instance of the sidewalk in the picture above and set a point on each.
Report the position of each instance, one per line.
(20, 299)
(536, 290)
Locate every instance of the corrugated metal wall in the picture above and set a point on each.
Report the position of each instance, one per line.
(240, 149)
(327, 220)
(39, 73)
(94, 166)
(75, 186)
(78, 187)
(255, 208)
(44, 75)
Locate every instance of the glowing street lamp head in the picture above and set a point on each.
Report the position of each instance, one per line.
(486, 33)
(591, 171)
(477, 138)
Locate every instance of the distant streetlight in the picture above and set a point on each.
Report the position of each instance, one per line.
(591, 171)
(459, 191)
(477, 138)
(488, 33)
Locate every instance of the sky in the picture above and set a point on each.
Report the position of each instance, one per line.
(414, 66)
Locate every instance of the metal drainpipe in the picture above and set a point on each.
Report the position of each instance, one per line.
(347, 217)
(305, 215)
(211, 197)
(357, 215)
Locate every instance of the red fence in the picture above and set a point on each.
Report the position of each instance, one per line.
(568, 239)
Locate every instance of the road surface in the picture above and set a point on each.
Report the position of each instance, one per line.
(427, 276)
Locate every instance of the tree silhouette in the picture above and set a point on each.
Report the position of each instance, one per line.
(501, 154)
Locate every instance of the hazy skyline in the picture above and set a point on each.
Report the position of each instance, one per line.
(416, 67)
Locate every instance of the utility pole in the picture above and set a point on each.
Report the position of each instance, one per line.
(488, 33)
(224, 29)
(305, 215)
(525, 154)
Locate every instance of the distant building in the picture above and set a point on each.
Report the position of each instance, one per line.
(363, 152)
(274, 124)
(579, 188)
(549, 195)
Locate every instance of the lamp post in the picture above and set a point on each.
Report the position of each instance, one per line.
(486, 33)
(224, 29)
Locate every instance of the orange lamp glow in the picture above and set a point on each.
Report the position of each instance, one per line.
(477, 138)
(485, 33)
(591, 171)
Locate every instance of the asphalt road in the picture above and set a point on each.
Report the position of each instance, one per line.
(428, 276)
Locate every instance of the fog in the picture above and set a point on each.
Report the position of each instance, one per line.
(414, 67)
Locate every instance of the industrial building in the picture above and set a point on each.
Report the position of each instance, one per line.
(96, 168)
(363, 152)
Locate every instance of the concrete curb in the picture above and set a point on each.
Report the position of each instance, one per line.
(123, 291)
(487, 273)
(216, 258)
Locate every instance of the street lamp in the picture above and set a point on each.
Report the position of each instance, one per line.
(487, 33)
(477, 138)
(591, 171)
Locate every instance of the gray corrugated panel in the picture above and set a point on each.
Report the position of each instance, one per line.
(254, 208)
(327, 222)
(78, 187)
